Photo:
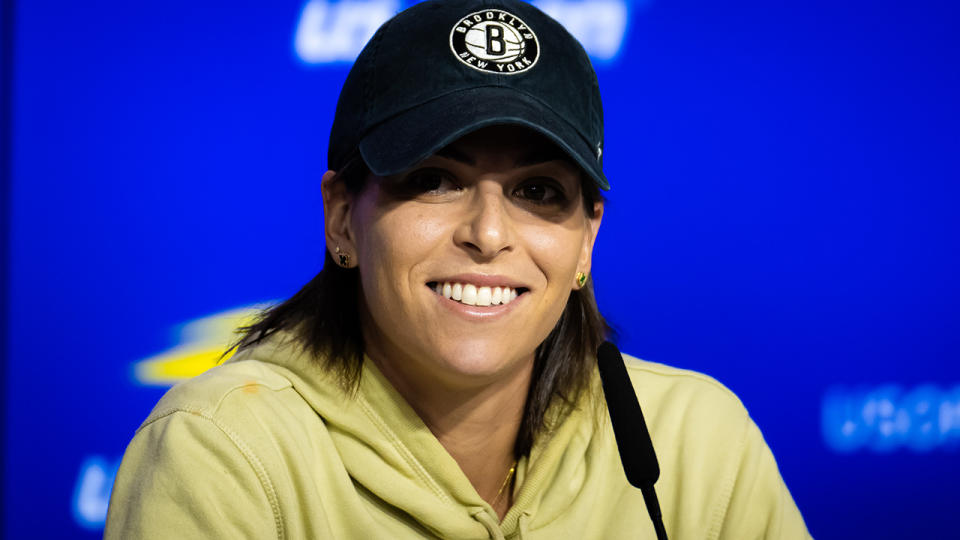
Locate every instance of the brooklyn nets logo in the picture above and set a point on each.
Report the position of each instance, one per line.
(495, 41)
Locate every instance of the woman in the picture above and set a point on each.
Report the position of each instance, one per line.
(437, 378)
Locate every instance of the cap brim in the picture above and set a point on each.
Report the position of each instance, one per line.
(414, 135)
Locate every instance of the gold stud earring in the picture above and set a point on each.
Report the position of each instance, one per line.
(581, 279)
(344, 257)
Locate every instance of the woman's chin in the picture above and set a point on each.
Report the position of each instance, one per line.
(479, 362)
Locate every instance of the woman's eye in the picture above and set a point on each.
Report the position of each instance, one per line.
(540, 192)
(430, 181)
(421, 183)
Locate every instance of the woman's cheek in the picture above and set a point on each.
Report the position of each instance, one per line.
(555, 251)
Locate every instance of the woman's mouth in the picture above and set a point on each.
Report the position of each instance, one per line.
(474, 295)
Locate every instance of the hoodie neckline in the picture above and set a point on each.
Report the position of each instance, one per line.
(420, 477)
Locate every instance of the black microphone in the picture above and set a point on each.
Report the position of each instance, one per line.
(630, 430)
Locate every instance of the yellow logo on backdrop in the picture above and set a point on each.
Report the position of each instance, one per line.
(201, 343)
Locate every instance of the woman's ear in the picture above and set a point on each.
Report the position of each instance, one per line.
(337, 208)
(590, 237)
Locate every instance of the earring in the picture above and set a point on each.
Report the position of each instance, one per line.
(344, 257)
(581, 279)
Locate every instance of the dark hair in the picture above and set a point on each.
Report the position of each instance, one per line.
(325, 318)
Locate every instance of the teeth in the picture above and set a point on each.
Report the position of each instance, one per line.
(472, 295)
(469, 295)
(483, 296)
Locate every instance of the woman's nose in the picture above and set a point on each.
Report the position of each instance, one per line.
(487, 228)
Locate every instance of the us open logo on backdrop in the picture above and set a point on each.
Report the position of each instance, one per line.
(495, 41)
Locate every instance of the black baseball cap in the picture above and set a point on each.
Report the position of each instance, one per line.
(445, 68)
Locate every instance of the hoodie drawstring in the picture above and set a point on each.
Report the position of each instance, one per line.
(491, 523)
(523, 526)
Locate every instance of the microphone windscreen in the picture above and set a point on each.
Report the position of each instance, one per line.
(633, 440)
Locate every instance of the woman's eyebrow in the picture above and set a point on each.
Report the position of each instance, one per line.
(542, 155)
(535, 157)
(450, 152)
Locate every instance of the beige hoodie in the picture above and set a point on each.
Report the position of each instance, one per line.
(267, 446)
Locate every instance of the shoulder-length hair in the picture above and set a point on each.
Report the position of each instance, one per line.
(324, 317)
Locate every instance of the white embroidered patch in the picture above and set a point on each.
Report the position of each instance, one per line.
(495, 41)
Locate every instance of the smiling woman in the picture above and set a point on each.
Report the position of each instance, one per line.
(469, 217)
(438, 378)
(497, 211)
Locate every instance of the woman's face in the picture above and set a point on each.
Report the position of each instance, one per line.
(466, 260)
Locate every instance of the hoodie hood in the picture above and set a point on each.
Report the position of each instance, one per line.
(388, 450)
(269, 446)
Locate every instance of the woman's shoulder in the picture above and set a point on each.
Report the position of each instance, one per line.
(640, 369)
(717, 472)
(215, 437)
(670, 390)
(246, 383)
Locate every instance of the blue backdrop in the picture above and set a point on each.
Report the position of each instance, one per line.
(783, 217)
